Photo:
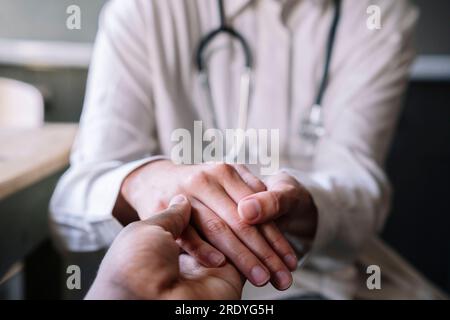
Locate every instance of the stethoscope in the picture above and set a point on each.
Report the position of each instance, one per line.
(312, 126)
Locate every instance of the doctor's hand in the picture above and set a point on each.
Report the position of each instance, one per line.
(144, 262)
(286, 202)
(216, 229)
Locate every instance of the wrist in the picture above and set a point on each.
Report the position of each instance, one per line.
(103, 289)
(311, 215)
(302, 220)
(126, 207)
(133, 182)
(129, 200)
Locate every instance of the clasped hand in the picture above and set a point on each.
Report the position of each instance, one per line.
(233, 215)
(144, 262)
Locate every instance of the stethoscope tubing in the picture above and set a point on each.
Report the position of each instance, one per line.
(246, 81)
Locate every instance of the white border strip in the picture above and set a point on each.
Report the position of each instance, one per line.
(59, 54)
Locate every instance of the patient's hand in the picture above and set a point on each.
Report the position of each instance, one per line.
(144, 263)
(214, 191)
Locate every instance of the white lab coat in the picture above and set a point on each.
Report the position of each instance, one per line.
(143, 85)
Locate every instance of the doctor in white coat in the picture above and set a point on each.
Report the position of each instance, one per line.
(143, 85)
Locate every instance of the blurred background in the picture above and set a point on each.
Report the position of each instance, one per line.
(37, 48)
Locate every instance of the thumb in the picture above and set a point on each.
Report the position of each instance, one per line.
(175, 218)
(268, 205)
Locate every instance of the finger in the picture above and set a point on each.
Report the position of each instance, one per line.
(279, 243)
(248, 235)
(269, 205)
(220, 235)
(220, 189)
(269, 229)
(175, 218)
(204, 281)
(249, 178)
(202, 251)
(230, 180)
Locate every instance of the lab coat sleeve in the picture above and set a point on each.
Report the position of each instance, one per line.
(363, 101)
(116, 134)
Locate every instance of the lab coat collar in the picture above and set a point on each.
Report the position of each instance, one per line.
(234, 7)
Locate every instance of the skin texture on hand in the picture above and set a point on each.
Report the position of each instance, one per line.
(144, 262)
(216, 230)
(285, 201)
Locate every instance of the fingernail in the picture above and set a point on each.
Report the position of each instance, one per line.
(178, 199)
(259, 275)
(283, 279)
(249, 209)
(216, 259)
(291, 261)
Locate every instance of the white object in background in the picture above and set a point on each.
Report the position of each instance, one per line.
(21, 105)
(431, 68)
(45, 54)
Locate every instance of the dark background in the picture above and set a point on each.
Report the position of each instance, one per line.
(419, 168)
(419, 162)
